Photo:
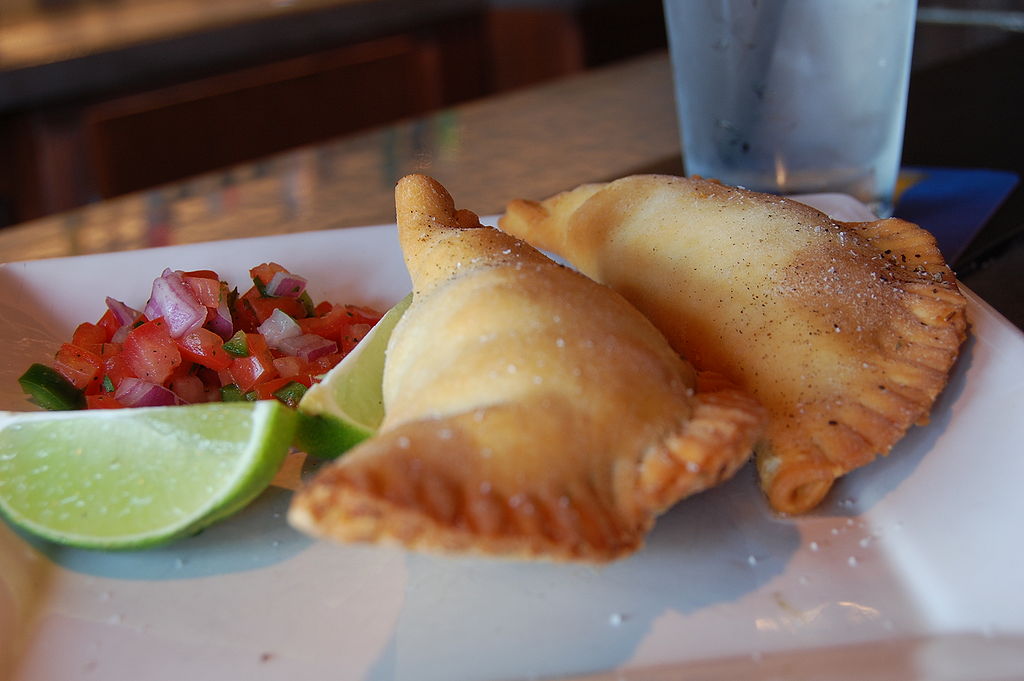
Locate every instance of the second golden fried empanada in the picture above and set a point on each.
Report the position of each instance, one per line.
(846, 332)
(530, 412)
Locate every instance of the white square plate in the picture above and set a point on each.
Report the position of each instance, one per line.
(912, 569)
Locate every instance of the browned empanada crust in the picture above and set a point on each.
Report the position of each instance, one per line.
(845, 332)
(530, 412)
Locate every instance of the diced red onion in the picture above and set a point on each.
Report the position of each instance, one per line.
(277, 327)
(122, 333)
(218, 320)
(308, 346)
(286, 284)
(122, 313)
(358, 331)
(173, 300)
(134, 392)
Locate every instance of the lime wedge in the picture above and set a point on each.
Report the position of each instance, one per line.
(130, 478)
(347, 406)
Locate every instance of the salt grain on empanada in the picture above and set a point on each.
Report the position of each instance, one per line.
(846, 332)
(530, 412)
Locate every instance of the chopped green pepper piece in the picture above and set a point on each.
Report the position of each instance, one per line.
(108, 385)
(260, 286)
(290, 393)
(237, 345)
(307, 304)
(252, 396)
(50, 390)
(231, 393)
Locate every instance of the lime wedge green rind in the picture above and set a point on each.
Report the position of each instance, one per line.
(327, 437)
(274, 426)
(132, 478)
(347, 406)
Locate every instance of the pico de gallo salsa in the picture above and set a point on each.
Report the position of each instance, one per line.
(197, 340)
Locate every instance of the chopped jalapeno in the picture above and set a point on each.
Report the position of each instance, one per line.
(290, 393)
(50, 390)
(237, 345)
(307, 304)
(231, 393)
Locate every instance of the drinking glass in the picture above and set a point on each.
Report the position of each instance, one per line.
(793, 96)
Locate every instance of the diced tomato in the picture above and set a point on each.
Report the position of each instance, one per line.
(338, 320)
(243, 316)
(204, 347)
(258, 367)
(346, 324)
(197, 367)
(87, 335)
(186, 368)
(109, 323)
(304, 379)
(115, 367)
(258, 346)
(328, 326)
(351, 336)
(247, 372)
(102, 401)
(189, 388)
(150, 351)
(107, 350)
(209, 377)
(207, 291)
(222, 305)
(262, 307)
(266, 390)
(326, 363)
(266, 271)
(202, 274)
(79, 366)
(297, 369)
(360, 314)
(290, 366)
(224, 377)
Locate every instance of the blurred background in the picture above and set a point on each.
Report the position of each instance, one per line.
(99, 98)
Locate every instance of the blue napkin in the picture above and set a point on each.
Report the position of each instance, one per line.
(952, 203)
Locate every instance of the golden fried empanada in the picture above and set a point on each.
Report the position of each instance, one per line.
(530, 412)
(845, 332)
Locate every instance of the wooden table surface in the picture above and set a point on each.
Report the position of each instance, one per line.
(530, 143)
